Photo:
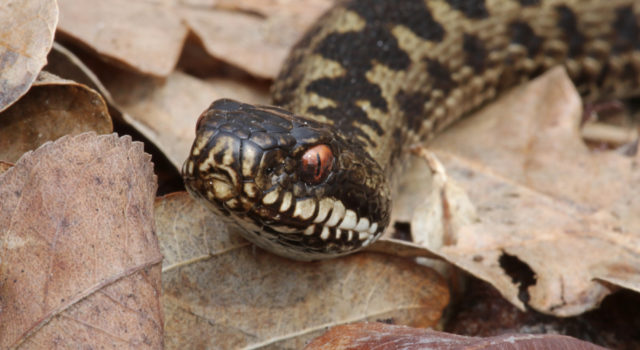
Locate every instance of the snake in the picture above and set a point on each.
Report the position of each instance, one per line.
(312, 177)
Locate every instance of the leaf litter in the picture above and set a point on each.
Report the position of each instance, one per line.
(539, 195)
(142, 101)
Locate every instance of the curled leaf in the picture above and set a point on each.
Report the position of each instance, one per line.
(53, 108)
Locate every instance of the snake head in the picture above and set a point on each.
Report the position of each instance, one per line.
(295, 187)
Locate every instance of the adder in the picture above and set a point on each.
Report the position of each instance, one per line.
(312, 178)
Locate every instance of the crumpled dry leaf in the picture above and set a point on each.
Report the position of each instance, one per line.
(383, 336)
(146, 36)
(253, 35)
(26, 28)
(4, 166)
(80, 259)
(166, 111)
(541, 197)
(52, 108)
(220, 291)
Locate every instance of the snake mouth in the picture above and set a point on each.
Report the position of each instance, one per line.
(326, 219)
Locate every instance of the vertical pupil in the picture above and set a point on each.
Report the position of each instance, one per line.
(319, 165)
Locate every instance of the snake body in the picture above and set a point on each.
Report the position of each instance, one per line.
(311, 179)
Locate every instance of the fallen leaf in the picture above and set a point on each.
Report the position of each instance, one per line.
(542, 198)
(148, 36)
(27, 29)
(255, 36)
(80, 259)
(145, 36)
(53, 108)
(4, 166)
(220, 291)
(65, 64)
(383, 336)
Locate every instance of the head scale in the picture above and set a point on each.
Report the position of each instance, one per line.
(295, 187)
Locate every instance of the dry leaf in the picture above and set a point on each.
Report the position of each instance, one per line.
(253, 35)
(26, 28)
(382, 336)
(67, 65)
(79, 253)
(166, 111)
(4, 166)
(53, 108)
(543, 198)
(221, 292)
(146, 36)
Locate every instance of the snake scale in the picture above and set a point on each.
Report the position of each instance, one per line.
(312, 179)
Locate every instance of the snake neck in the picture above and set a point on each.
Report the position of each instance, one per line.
(393, 73)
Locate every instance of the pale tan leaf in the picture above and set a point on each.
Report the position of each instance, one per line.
(26, 28)
(146, 36)
(541, 196)
(52, 108)
(221, 292)
(253, 35)
(79, 253)
(364, 336)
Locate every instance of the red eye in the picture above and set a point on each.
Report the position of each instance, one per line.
(316, 164)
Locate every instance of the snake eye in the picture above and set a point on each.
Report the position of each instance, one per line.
(316, 164)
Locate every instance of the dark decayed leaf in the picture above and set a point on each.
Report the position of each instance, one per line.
(364, 336)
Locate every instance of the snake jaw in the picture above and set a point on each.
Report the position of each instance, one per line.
(247, 165)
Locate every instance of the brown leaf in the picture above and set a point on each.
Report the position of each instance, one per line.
(166, 111)
(79, 253)
(4, 166)
(219, 291)
(253, 35)
(65, 64)
(383, 336)
(51, 109)
(541, 197)
(26, 28)
(142, 35)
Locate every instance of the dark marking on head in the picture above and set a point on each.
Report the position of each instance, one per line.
(627, 30)
(475, 9)
(475, 51)
(440, 76)
(529, 2)
(568, 21)
(523, 34)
